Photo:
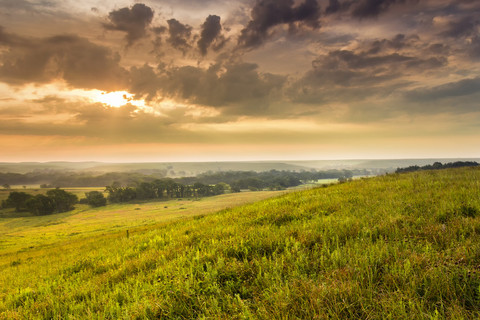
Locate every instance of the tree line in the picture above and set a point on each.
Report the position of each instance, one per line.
(65, 179)
(438, 165)
(204, 185)
(269, 179)
(162, 189)
(273, 179)
(54, 201)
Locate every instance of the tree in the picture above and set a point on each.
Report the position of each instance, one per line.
(95, 199)
(62, 200)
(220, 188)
(128, 194)
(6, 186)
(116, 193)
(41, 205)
(17, 200)
(146, 191)
(202, 190)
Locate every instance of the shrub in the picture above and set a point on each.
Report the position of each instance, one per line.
(17, 200)
(95, 199)
(41, 205)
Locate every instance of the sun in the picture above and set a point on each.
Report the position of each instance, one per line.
(116, 98)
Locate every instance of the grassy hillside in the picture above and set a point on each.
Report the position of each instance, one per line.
(393, 247)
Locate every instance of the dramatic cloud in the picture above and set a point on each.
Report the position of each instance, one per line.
(372, 8)
(71, 58)
(466, 26)
(365, 68)
(180, 35)
(267, 14)
(363, 8)
(323, 70)
(240, 88)
(464, 87)
(211, 32)
(373, 70)
(134, 21)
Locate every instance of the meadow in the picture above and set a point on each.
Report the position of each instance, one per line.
(29, 231)
(400, 246)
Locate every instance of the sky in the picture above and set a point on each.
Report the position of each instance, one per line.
(218, 80)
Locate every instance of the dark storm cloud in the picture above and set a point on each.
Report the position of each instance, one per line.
(373, 8)
(76, 60)
(374, 69)
(363, 9)
(346, 60)
(267, 14)
(333, 6)
(211, 31)
(398, 42)
(438, 49)
(179, 35)
(240, 85)
(134, 21)
(465, 29)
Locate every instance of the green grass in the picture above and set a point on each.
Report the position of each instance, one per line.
(32, 231)
(392, 247)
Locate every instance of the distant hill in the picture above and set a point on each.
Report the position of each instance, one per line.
(181, 169)
(172, 168)
(195, 168)
(388, 165)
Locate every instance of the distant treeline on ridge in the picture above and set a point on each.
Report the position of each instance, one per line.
(242, 179)
(439, 165)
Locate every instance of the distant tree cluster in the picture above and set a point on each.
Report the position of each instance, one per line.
(273, 179)
(95, 199)
(54, 201)
(162, 189)
(62, 179)
(270, 179)
(438, 165)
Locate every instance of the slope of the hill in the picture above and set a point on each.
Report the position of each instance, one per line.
(393, 247)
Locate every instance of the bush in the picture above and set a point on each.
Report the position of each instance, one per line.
(17, 200)
(95, 199)
(41, 205)
(63, 200)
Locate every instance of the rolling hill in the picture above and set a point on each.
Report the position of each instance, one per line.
(400, 246)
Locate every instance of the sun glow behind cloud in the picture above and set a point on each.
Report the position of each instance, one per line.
(116, 98)
(61, 90)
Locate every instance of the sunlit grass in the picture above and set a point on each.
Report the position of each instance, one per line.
(27, 231)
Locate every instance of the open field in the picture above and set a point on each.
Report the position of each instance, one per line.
(30, 231)
(392, 247)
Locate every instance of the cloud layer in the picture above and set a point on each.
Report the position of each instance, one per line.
(190, 67)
